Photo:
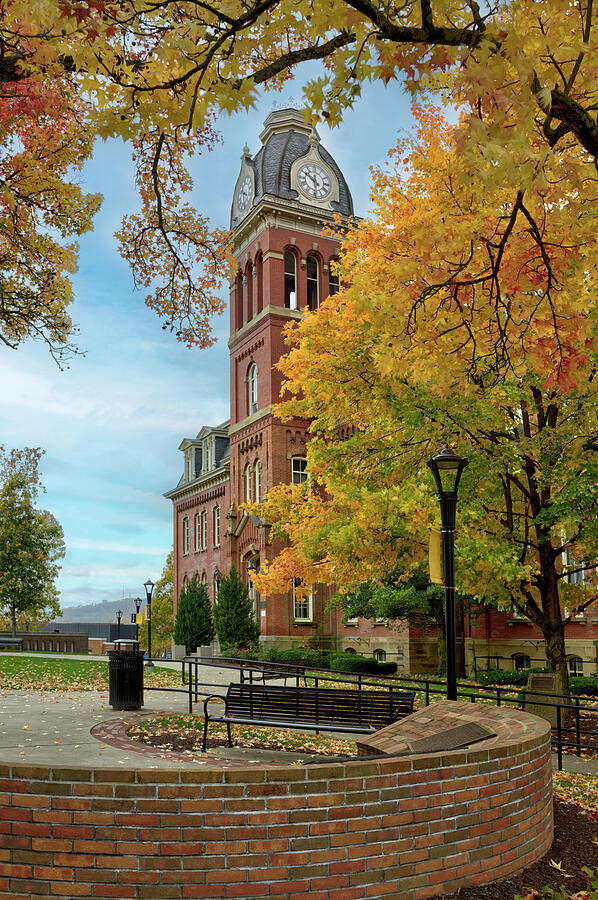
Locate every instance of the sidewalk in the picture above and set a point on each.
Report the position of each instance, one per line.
(55, 728)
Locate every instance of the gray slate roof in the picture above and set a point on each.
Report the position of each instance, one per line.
(272, 167)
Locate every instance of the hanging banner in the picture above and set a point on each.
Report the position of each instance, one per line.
(435, 557)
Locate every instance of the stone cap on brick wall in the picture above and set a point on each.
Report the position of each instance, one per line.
(509, 726)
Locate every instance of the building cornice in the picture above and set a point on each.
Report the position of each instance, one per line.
(281, 311)
(276, 212)
(203, 483)
(249, 420)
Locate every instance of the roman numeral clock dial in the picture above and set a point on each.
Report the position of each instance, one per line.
(313, 181)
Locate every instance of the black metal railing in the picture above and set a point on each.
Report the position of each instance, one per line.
(568, 733)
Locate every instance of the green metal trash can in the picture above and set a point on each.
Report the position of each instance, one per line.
(125, 671)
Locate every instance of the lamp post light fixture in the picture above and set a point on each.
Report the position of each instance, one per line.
(149, 590)
(447, 468)
(138, 601)
(119, 616)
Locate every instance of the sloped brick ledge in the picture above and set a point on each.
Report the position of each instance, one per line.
(398, 827)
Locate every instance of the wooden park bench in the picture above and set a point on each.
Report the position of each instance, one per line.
(315, 709)
(11, 643)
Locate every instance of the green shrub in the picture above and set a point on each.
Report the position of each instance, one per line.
(351, 662)
(516, 677)
(303, 656)
(584, 684)
(387, 668)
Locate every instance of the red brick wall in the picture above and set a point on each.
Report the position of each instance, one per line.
(341, 831)
(201, 560)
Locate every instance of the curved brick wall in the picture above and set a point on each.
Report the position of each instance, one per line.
(410, 828)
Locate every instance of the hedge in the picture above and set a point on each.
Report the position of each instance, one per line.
(351, 662)
(580, 684)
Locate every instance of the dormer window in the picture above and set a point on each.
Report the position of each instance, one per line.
(207, 455)
(290, 280)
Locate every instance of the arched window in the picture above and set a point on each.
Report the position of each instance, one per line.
(333, 279)
(185, 535)
(521, 661)
(248, 282)
(380, 655)
(351, 650)
(258, 480)
(290, 280)
(248, 493)
(197, 529)
(259, 283)
(313, 281)
(216, 584)
(239, 301)
(252, 389)
(185, 582)
(575, 664)
(204, 578)
(216, 526)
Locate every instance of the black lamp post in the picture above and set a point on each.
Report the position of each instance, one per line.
(138, 602)
(118, 618)
(447, 468)
(149, 590)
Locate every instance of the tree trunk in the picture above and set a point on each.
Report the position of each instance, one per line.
(551, 622)
(554, 641)
(13, 619)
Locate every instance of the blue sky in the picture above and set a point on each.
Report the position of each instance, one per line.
(112, 422)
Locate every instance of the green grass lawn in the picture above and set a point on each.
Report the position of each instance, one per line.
(42, 673)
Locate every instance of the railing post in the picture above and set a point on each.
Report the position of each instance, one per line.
(559, 737)
(577, 727)
(359, 680)
(498, 696)
(427, 692)
(190, 698)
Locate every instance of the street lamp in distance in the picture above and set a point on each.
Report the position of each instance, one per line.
(119, 616)
(149, 590)
(138, 601)
(447, 468)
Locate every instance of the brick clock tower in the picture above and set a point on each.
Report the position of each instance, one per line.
(283, 198)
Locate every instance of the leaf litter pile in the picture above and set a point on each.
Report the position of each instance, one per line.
(184, 735)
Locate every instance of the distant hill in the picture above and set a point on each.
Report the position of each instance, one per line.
(100, 612)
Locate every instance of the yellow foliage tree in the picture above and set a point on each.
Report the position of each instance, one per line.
(469, 321)
(157, 75)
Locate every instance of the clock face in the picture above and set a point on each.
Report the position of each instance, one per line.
(244, 193)
(314, 181)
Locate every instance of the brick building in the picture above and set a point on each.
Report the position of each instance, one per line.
(283, 198)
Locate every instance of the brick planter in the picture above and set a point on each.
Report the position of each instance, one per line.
(405, 827)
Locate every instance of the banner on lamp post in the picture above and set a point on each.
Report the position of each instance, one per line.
(435, 557)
